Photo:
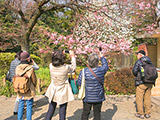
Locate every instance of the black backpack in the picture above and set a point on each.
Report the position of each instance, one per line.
(150, 73)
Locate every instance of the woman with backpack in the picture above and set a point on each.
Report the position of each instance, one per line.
(24, 69)
(59, 91)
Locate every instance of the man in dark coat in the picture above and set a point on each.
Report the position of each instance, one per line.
(143, 90)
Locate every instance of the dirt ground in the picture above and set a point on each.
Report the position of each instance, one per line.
(114, 108)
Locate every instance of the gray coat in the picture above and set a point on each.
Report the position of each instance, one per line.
(12, 68)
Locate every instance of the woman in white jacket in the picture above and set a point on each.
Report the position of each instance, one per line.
(59, 91)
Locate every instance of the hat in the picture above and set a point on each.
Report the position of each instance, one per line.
(24, 56)
(142, 52)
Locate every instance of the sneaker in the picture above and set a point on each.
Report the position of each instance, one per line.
(15, 113)
(147, 115)
(139, 116)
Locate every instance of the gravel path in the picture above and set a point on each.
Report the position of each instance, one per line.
(114, 108)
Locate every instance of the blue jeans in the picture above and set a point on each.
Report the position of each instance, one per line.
(21, 109)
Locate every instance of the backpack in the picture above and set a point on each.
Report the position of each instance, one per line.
(21, 84)
(150, 73)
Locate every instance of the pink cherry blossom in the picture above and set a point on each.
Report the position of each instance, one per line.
(148, 6)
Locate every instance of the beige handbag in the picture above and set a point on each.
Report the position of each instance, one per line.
(81, 94)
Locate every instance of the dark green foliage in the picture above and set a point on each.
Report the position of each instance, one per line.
(7, 90)
(120, 81)
(61, 20)
(46, 59)
(7, 58)
(9, 27)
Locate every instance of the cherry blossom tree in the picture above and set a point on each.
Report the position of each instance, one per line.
(106, 25)
(144, 17)
(110, 24)
(29, 11)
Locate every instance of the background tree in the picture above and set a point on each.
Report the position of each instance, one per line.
(103, 22)
(29, 11)
(61, 21)
(8, 28)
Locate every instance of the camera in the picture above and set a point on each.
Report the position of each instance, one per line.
(100, 49)
(66, 51)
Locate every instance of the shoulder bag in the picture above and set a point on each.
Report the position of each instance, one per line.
(96, 77)
(81, 94)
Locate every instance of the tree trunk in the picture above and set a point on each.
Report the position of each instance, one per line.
(24, 47)
(24, 43)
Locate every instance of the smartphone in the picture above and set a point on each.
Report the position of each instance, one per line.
(66, 51)
(100, 49)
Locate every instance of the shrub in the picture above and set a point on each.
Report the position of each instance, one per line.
(120, 81)
(36, 59)
(46, 59)
(44, 74)
(7, 90)
(7, 58)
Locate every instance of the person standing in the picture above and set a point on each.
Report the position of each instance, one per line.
(94, 91)
(143, 90)
(59, 91)
(14, 64)
(12, 68)
(25, 69)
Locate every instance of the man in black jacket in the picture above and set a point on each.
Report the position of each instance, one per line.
(143, 90)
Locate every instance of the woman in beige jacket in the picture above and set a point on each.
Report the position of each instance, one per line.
(59, 91)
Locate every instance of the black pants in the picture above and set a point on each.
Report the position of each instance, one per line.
(52, 108)
(96, 109)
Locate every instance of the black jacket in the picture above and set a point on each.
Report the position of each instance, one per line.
(137, 69)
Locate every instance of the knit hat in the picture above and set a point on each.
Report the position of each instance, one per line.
(25, 55)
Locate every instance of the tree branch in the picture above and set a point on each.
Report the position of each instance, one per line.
(59, 6)
(22, 15)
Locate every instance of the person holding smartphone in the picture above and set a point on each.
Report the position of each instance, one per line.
(59, 91)
(94, 80)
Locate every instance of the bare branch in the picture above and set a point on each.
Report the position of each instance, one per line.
(42, 3)
(59, 6)
(22, 15)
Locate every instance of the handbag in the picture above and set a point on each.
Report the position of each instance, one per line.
(73, 83)
(81, 94)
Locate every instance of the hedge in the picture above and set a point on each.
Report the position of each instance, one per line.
(120, 81)
(7, 58)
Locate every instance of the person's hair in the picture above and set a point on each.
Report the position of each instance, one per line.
(58, 58)
(93, 60)
(24, 62)
(18, 55)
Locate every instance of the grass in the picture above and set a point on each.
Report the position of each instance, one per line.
(44, 74)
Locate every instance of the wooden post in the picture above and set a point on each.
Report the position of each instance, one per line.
(4, 82)
(39, 85)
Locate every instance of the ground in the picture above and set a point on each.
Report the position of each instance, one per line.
(114, 108)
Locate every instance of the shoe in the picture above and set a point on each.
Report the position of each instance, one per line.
(139, 116)
(15, 113)
(147, 115)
